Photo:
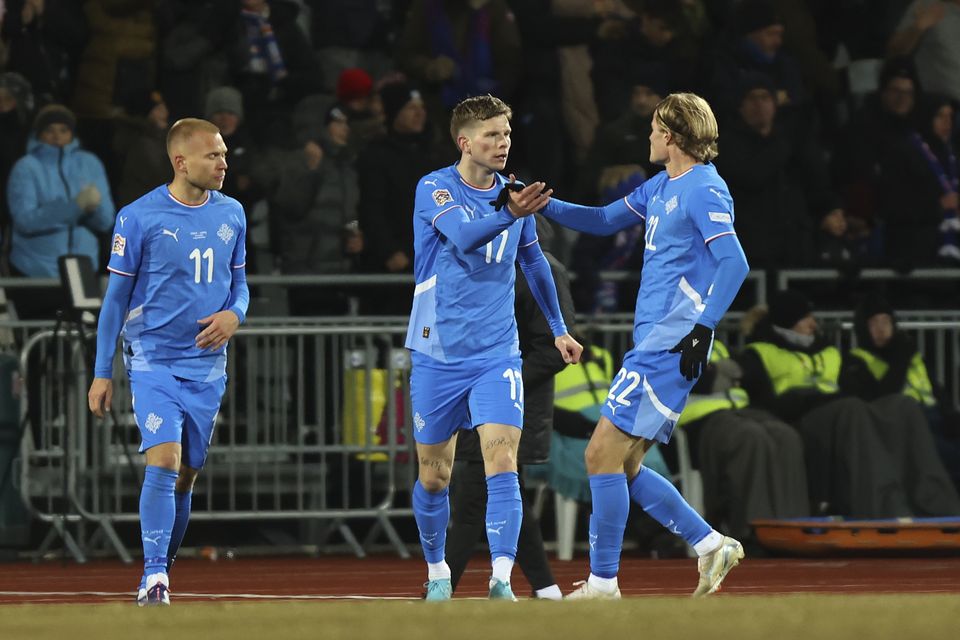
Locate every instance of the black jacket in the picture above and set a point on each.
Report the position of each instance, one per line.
(541, 362)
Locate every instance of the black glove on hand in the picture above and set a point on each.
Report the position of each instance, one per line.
(693, 350)
(504, 196)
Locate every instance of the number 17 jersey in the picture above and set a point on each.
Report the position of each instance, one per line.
(463, 302)
(183, 258)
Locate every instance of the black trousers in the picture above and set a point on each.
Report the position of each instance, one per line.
(468, 506)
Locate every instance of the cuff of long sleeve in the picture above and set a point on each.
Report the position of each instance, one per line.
(240, 314)
(103, 373)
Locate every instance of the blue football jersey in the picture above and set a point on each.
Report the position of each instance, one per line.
(183, 258)
(463, 301)
(683, 215)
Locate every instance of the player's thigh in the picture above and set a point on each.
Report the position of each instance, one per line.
(158, 413)
(438, 398)
(647, 395)
(496, 394)
(201, 405)
(498, 444)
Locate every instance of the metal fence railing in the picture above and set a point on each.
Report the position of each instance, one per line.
(315, 425)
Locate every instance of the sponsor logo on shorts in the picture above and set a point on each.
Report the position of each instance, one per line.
(426, 332)
(418, 421)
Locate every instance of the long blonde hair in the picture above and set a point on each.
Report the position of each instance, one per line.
(690, 120)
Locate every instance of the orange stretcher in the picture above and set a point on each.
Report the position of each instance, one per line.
(834, 536)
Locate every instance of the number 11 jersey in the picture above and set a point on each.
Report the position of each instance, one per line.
(183, 258)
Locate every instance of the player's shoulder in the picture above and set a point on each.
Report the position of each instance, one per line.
(438, 179)
(437, 189)
(145, 208)
(228, 203)
(708, 186)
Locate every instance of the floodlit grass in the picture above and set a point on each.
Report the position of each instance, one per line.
(813, 617)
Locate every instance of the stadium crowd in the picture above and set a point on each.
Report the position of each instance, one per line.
(838, 130)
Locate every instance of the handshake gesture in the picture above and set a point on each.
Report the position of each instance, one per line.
(522, 200)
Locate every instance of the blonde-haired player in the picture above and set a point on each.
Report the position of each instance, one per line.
(693, 266)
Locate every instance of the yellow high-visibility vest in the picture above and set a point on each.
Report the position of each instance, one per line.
(586, 384)
(917, 384)
(797, 370)
(699, 406)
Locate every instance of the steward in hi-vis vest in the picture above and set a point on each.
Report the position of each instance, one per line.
(886, 361)
(858, 450)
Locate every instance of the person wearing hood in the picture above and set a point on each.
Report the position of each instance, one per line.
(59, 200)
(883, 120)
(865, 459)
(918, 191)
(140, 144)
(388, 169)
(886, 361)
(312, 194)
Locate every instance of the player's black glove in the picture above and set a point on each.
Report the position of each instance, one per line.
(693, 350)
(504, 196)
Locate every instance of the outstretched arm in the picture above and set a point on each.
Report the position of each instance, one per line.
(601, 221)
(467, 234)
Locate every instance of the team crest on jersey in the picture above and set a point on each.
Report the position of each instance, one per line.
(225, 233)
(670, 205)
(442, 197)
(119, 245)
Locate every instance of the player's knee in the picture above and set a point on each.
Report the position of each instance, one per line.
(164, 457)
(594, 457)
(502, 460)
(186, 479)
(435, 483)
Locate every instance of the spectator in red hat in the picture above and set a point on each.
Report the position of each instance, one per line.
(358, 101)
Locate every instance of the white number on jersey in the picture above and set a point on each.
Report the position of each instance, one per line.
(196, 257)
(503, 243)
(652, 223)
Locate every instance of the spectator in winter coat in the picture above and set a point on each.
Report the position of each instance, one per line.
(58, 198)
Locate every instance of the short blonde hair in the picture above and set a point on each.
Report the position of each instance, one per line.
(183, 129)
(477, 109)
(690, 120)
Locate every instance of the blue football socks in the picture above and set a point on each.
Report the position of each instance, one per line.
(183, 502)
(611, 506)
(658, 497)
(504, 514)
(157, 514)
(432, 513)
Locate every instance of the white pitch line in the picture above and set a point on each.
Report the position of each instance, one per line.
(211, 596)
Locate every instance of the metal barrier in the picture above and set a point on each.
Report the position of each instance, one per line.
(329, 442)
(315, 426)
